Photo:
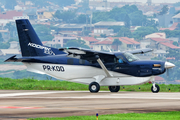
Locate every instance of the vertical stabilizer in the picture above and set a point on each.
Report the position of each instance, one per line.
(29, 41)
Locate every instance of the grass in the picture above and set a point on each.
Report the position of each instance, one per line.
(32, 84)
(174, 115)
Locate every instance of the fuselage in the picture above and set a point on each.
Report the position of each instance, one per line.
(83, 71)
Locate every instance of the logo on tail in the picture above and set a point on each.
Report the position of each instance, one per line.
(46, 49)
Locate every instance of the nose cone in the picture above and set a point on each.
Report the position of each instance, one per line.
(169, 65)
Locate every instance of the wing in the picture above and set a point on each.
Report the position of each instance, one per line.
(141, 51)
(91, 56)
(87, 54)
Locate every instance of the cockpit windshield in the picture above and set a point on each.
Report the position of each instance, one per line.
(130, 57)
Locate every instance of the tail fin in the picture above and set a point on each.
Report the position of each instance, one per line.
(29, 41)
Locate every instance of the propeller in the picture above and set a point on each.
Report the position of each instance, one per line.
(168, 65)
(167, 76)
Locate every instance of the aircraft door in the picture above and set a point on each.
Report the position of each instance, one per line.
(121, 65)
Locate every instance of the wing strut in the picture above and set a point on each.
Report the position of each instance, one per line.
(103, 67)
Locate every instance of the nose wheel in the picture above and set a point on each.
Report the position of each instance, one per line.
(155, 88)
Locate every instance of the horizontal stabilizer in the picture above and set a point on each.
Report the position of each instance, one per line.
(14, 59)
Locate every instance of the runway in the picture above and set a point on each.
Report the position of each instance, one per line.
(19, 104)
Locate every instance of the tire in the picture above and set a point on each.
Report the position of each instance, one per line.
(94, 87)
(114, 88)
(156, 90)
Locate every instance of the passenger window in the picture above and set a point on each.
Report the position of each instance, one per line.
(70, 61)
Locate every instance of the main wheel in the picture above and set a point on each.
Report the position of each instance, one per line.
(114, 88)
(94, 87)
(156, 89)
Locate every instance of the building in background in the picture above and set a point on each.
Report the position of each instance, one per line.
(89, 40)
(102, 27)
(62, 38)
(10, 16)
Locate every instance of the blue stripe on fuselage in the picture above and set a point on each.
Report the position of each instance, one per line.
(138, 68)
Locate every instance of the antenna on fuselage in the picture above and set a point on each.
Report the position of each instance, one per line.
(109, 49)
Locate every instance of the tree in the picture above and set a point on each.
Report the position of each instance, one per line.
(43, 32)
(4, 45)
(100, 16)
(175, 43)
(66, 16)
(103, 35)
(13, 39)
(130, 9)
(127, 21)
(86, 32)
(164, 10)
(1, 39)
(12, 29)
(116, 29)
(177, 12)
(117, 14)
(76, 43)
(85, 6)
(62, 3)
(137, 18)
(126, 13)
(143, 31)
(81, 19)
(151, 23)
(174, 33)
(124, 32)
(116, 43)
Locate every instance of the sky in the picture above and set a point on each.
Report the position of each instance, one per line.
(154, 1)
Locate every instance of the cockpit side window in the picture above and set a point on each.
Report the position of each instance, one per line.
(130, 57)
(120, 59)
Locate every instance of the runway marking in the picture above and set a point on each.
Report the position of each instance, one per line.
(96, 97)
(102, 108)
(120, 95)
(69, 107)
(16, 107)
(35, 93)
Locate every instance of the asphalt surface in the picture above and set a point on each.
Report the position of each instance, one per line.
(20, 105)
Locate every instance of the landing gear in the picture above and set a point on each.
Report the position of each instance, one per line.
(114, 88)
(155, 88)
(94, 87)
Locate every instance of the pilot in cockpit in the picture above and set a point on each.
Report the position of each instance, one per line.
(120, 59)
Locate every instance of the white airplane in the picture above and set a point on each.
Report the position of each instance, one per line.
(94, 68)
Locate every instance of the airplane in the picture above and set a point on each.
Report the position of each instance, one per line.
(86, 66)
